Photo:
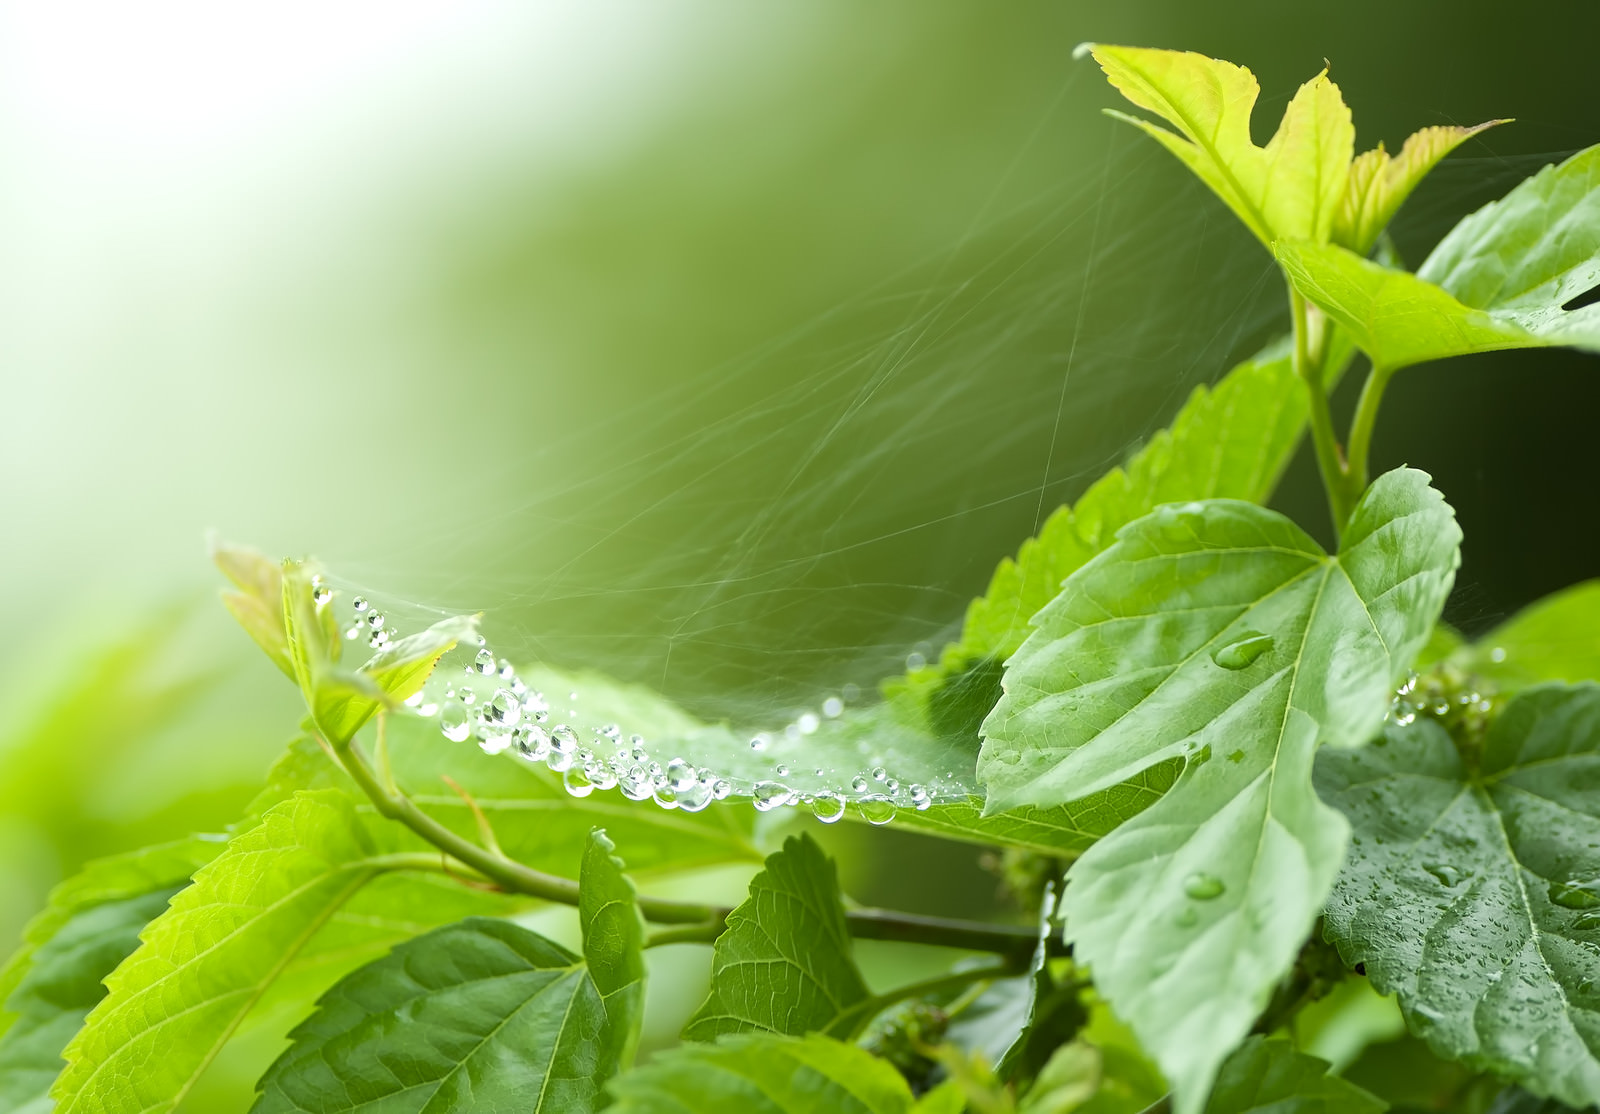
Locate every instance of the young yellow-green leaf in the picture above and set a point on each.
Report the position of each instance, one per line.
(784, 963)
(258, 605)
(1379, 183)
(1500, 279)
(1289, 189)
(766, 1074)
(480, 1015)
(1270, 1076)
(1473, 886)
(62, 983)
(401, 669)
(1217, 631)
(1554, 639)
(213, 954)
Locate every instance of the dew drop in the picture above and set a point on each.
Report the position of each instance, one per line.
(635, 784)
(783, 771)
(503, 708)
(1447, 874)
(761, 741)
(414, 699)
(694, 796)
(915, 661)
(532, 742)
(1575, 895)
(320, 592)
(680, 775)
(827, 807)
(360, 603)
(892, 785)
(1203, 887)
(833, 707)
(484, 662)
(921, 799)
(1497, 655)
(375, 620)
(858, 784)
(879, 774)
(1245, 648)
(563, 739)
(577, 782)
(601, 775)
(876, 810)
(809, 723)
(769, 795)
(721, 789)
(453, 723)
(665, 795)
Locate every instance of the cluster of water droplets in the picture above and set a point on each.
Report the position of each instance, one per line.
(487, 702)
(1451, 696)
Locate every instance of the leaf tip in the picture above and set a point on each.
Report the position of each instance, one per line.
(1083, 50)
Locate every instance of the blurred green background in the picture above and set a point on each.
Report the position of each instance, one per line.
(723, 347)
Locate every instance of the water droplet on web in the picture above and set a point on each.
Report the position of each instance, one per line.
(827, 807)
(1576, 895)
(879, 774)
(769, 795)
(892, 785)
(468, 696)
(1244, 648)
(1203, 887)
(577, 782)
(532, 742)
(320, 592)
(833, 707)
(427, 710)
(915, 661)
(783, 771)
(601, 775)
(761, 741)
(680, 775)
(721, 789)
(375, 620)
(858, 784)
(694, 797)
(635, 784)
(809, 723)
(484, 662)
(414, 699)
(921, 799)
(665, 795)
(360, 604)
(1447, 874)
(493, 741)
(453, 723)
(1497, 655)
(876, 810)
(503, 708)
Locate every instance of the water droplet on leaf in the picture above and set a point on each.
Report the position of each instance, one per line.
(827, 807)
(769, 795)
(577, 782)
(876, 810)
(1245, 648)
(1203, 887)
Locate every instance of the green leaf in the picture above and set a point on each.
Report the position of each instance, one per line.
(1291, 188)
(1395, 317)
(212, 955)
(1055, 1012)
(1473, 882)
(1498, 280)
(764, 1074)
(784, 963)
(1554, 639)
(1269, 1075)
(1231, 441)
(480, 1015)
(118, 878)
(1220, 632)
(401, 669)
(1379, 183)
(62, 984)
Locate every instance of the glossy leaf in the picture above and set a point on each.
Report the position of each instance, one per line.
(1379, 182)
(211, 956)
(1219, 632)
(478, 1015)
(784, 963)
(765, 1074)
(1269, 1075)
(1500, 279)
(1473, 882)
(1291, 188)
(1553, 639)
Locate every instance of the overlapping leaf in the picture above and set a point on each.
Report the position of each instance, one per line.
(209, 958)
(1269, 1075)
(478, 1015)
(766, 1074)
(784, 963)
(1290, 189)
(1473, 885)
(1217, 631)
(1499, 280)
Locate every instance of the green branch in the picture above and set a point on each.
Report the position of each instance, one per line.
(1310, 352)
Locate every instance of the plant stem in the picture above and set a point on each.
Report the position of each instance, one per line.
(946, 981)
(699, 923)
(1330, 459)
(1362, 425)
